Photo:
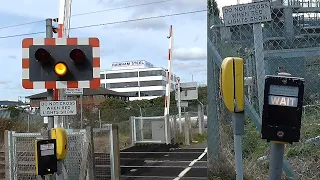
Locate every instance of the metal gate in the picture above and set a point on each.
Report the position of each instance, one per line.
(150, 129)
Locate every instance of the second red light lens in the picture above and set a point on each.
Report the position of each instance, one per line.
(77, 55)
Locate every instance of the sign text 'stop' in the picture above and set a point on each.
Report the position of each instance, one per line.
(247, 13)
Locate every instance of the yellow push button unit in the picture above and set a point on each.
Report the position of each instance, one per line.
(232, 83)
(60, 135)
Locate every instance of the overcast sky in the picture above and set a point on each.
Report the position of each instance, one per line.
(137, 40)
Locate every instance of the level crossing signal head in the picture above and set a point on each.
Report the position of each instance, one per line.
(59, 58)
(48, 61)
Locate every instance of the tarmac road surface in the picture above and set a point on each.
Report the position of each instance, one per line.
(160, 163)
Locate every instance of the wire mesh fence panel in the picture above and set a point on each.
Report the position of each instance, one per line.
(124, 131)
(288, 43)
(144, 130)
(102, 146)
(19, 121)
(24, 159)
(21, 154)
(77, 142)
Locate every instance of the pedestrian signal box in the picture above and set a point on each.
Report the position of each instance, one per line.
(45, 156)
(282, 109)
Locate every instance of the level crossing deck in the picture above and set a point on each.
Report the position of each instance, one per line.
(161, 162)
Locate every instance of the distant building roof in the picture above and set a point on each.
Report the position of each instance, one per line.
(11, 103)
(86, 92)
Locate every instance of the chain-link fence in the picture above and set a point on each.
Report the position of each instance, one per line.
(290, 43)
(121, 116)
(17, 120)
(20, 154)
(92, 153)
(106, 152)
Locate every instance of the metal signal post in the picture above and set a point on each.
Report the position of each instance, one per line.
(42, 55)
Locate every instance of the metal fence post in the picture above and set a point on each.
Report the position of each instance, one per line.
(186, 129)
(200, 120)
(13, 141)
(174, 128)
(92, 171)
(141, 129)
(190, 127)
(114, 152)
(133, 133)
(213, 122)
(169, 128)
(87, 164)
(8, 154)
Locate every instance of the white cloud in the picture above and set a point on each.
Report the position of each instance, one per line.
(191, 70)
(193, 53)
(190, 67)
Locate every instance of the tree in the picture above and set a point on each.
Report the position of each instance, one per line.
(213, 8)
(116, 110)
(14, 112)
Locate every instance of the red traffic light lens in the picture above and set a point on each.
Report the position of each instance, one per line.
(42, 55)
(77, 56)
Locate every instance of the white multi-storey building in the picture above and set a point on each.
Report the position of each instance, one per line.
(138, 79)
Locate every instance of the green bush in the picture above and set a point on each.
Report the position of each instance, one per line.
(253, 146)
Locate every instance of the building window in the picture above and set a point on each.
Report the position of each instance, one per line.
(151, 83)
(102, 76)
(152, 93)
(132, 94)
(152, 73)
(103, 85)
(123, 85)
(122, 75)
